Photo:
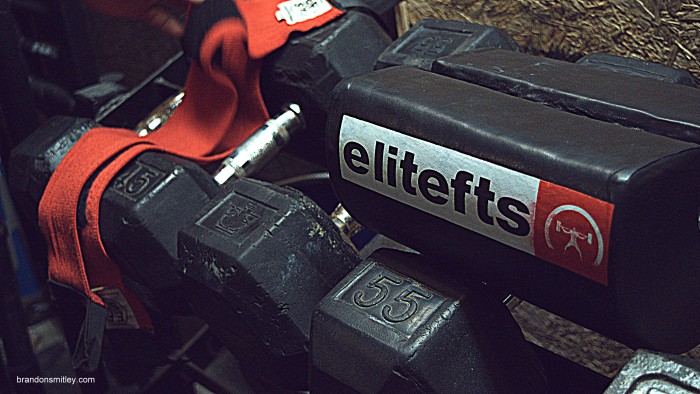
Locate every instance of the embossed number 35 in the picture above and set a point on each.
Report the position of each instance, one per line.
(408, 297)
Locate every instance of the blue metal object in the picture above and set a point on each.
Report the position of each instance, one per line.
(26, 280)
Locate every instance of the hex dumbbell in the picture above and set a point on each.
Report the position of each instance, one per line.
(592, 220)
(652, 105)
(259, 258)
(307, 68)
(134, 223)
(431, 39)
(456, 49)
(395, 324)
(309, 65)
(598, 85)
(255, 262)
(151, 197)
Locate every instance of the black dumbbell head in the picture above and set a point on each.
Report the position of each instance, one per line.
(310, 65)
(257, 260)
(144, 206)
(140, 212)
(588, 219)
(34, 160)
(624, 98)
(431, 39)
(393, 325)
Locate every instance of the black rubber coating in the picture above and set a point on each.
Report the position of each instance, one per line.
(638, 67)
(651, 298)
(35, 159)
(430, 39)
(655, 106)
(397, 325)
(256, 261)
(310, 65)
(141, 211)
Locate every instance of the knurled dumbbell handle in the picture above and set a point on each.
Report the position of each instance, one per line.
(258, 149)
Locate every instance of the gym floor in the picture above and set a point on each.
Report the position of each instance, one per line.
(137, 50)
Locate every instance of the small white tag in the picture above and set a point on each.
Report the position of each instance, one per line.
(119, 313)
(297, 11)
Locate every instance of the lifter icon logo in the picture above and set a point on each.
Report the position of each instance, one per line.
(572, 230)
(578, 230)
(575, 236)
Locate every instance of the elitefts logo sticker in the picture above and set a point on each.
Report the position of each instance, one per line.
(554, 223)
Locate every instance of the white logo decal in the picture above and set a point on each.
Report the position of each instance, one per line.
(573, 233)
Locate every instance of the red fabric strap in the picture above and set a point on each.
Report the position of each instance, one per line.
(222, 107)
(57, 213)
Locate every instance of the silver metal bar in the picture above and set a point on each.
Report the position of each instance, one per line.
(261, 146)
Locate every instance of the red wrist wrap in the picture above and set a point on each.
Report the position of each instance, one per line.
(221, 108)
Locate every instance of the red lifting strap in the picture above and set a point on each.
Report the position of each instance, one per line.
(221, 108)
(270, 22)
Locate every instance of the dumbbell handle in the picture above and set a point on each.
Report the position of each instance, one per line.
(256, 151)
(160, 115)
(345, 223)
(262, 145)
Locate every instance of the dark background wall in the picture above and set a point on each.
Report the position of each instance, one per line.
(132, 47)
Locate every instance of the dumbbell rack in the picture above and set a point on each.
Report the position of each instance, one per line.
(561, 372)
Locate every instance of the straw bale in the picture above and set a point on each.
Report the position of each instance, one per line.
(662, 31)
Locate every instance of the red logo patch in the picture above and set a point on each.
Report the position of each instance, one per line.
(572, 230)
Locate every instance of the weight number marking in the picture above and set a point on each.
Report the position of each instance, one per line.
(403, 306)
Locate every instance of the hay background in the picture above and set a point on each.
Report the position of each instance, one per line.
(662, 31)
